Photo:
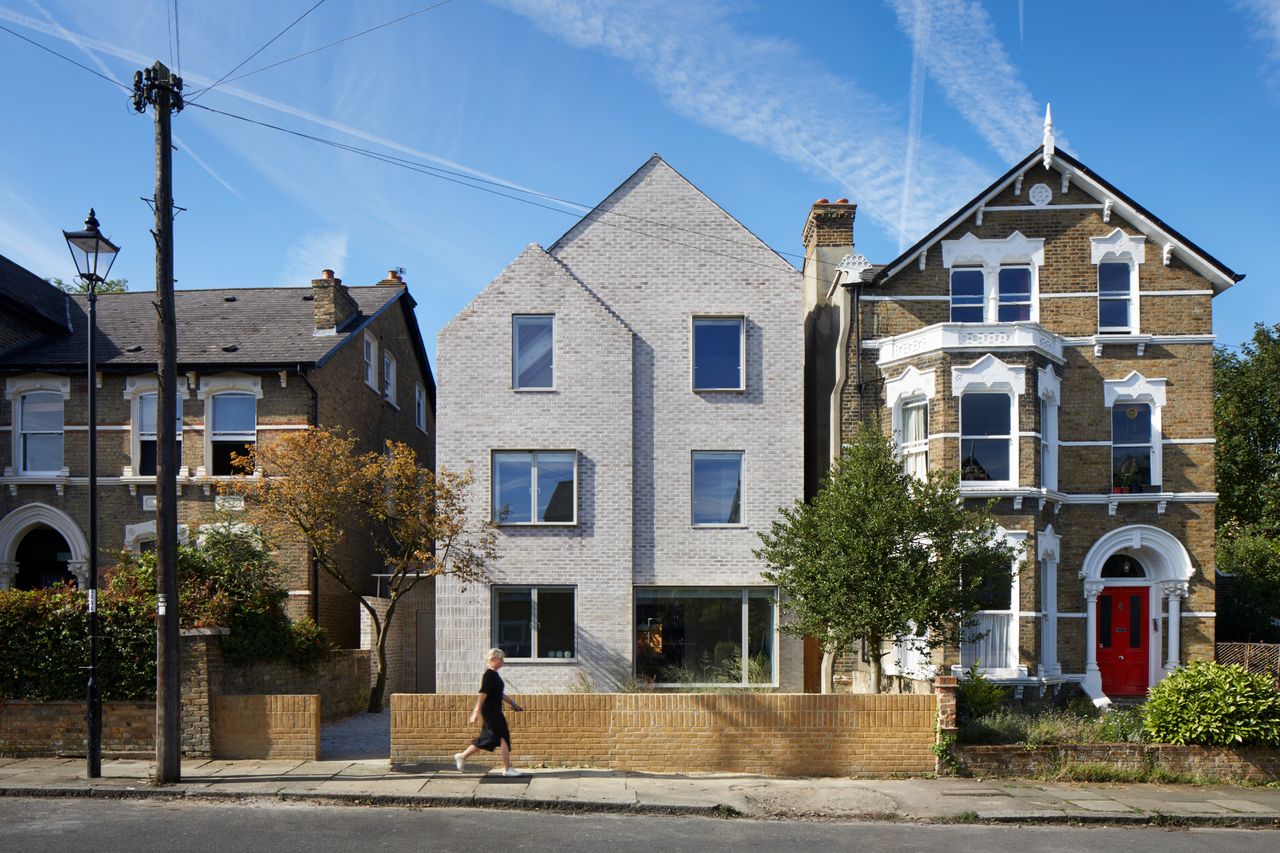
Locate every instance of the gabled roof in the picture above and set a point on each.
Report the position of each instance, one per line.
(1219, 274)
(225, 327)
(25, 293)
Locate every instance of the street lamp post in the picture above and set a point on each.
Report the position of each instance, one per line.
(90, 250)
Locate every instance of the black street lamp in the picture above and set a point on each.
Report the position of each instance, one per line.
(90, 250)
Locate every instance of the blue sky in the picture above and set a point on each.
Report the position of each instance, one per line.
(908, 109)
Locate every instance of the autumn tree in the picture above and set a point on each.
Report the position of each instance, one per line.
(315, 485)
(878, 556)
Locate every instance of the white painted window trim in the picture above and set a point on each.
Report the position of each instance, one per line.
(910, 387)
(136, 534)
(515, 379)
(1136, 388)
(1118, 247)
(990, 374)
(742, 354)
(533, 619)
(533, 522)
(1049, 386)
(370, 352)
(134, 389)
(389, 377)
(1018, 540)
(212, 386)
(14, 389)
(1015, 250)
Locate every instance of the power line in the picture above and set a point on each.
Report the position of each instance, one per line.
(339, 41)
(66, 58)
(476, 183)
(242, 63)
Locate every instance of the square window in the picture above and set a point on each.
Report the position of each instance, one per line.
(717, 487)
(533, 351)
(534, 622)
(985, 437)
(695, 635)
(534, 487)
(1014, 295)
(718, 350)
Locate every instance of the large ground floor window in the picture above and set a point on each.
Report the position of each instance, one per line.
(705, 635)
(534, 622)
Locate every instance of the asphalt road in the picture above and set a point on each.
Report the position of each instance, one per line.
(107, 826)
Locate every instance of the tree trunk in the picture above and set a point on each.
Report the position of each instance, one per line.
(380, 683)
(828, 672)
(876, 667)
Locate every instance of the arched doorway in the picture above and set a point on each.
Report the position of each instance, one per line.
(42, 558)
(1132, 576)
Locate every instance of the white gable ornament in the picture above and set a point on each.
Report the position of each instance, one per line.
(1118, 246)
(1040, 195)
(988, 374)
(852, 267)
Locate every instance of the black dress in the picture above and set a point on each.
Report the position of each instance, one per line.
(495, 723)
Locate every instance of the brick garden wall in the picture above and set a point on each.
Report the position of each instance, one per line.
(29, 728)
(773, 734)
(1252, 764)
(341, 682)
(267, 727)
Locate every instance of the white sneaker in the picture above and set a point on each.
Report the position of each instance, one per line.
(457, 760)
(511, 771)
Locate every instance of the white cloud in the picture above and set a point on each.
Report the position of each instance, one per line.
(313, 252)
(1266, 27)
(29, 239)
(966, 59)
(766, 91)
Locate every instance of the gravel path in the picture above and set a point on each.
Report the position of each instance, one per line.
(362, 736)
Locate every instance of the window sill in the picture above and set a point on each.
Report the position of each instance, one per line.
(542, 661)
(534, 524)
(719, 390)
(715, 685)
(719, 526)
(551, 390)
(392, 404)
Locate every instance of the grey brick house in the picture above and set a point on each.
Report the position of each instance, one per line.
(630, 401)
(254, 364)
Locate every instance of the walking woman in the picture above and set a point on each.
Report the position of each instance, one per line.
(489, 706)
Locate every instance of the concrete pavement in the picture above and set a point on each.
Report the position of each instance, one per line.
(373, 781)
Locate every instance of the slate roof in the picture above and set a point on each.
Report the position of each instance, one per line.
(240, 327)
(26, 293)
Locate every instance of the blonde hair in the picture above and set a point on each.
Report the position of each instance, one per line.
(494, 654)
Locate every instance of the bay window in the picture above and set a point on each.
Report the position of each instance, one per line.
(534, 487)
(706, 635)
(915, 438)
(986, 437)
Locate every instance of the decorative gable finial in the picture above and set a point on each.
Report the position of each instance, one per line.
(852, 267)
(1048, 137)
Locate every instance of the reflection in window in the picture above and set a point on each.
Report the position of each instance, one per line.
(967, 289)
(695, 636)
(1114, 297)
(1131, 448)
(534, 487)
(147, 435)
(40, 425)
(534, 622)
(1015, 294)
(717, 487)
(717, 353)
(985, 437)
(234, 430)
(532, 351)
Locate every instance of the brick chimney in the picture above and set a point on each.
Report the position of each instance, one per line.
(393, 279)
(333, 304)
(828, 237)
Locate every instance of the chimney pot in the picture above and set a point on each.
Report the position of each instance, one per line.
(823, 201)
(842, 201)
(326, 273)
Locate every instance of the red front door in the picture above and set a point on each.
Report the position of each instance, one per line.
(1122, 640)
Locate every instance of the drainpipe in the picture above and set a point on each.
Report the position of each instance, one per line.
(313, 568)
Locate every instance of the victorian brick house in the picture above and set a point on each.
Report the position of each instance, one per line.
(1052, 342)
(630, 401)
(254, 364)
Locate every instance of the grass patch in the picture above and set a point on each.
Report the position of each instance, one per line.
(1053, 726)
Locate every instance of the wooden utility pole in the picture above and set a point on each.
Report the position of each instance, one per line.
(157, 87)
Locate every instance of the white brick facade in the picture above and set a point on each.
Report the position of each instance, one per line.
(624, 285)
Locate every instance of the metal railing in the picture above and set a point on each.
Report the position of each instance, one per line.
(1255, 657)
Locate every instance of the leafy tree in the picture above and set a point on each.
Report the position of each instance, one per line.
(1247, 456)
(111, 285)
(878, 556)
(318, 487)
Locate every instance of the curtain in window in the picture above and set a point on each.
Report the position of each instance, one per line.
(990, 651)
(915, 439)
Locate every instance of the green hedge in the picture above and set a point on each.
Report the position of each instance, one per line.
(1208, 703)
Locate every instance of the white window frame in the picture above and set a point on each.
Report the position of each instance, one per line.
(212, 386)
(15, 388)
(911, 387)
(1120, 248)
(420, 407)
(533, 487)
(742, 353)
(389, 377)
(1049, 386)
(746, 665)
(911, 657)
(991, 375)
(1013, 668)
(533, 589)
(515, 356)
(135, 388)
(371, 361)
(1030, 301)
(1015, 250)
(1136, 388)
(982, 299)
(741, 456)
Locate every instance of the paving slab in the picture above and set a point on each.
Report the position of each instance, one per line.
(1248, 806)
(1100, 804)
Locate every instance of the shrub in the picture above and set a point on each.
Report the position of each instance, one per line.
(976, 696)
(1208, 703)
